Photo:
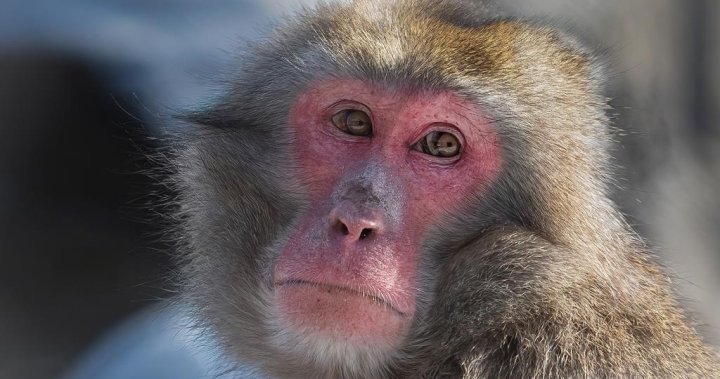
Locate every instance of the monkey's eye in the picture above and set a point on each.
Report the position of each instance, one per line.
(353, 121)
(440, 144)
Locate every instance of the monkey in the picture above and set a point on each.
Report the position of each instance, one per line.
(419, 189)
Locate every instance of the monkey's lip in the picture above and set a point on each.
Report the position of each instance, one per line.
(333, 287)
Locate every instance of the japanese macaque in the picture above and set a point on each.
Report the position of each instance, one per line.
(420, 189)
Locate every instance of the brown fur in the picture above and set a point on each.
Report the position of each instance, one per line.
(539, 277)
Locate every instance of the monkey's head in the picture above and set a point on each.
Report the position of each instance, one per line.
(357, 149)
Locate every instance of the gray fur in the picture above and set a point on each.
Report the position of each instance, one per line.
(540, 277)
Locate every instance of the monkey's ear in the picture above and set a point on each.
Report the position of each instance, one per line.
(211, 117)
(205, 120)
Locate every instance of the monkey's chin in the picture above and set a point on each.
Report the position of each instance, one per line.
(336, 314)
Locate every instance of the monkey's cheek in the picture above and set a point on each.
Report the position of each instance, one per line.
(339, 316)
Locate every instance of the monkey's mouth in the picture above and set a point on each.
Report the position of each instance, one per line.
(329, 288)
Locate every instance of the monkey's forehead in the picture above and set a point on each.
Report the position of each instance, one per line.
(448, 44)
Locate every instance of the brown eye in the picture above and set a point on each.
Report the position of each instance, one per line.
(353, 122)
(440, 144)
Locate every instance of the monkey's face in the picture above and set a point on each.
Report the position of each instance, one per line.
(361, 146)
(381, 166)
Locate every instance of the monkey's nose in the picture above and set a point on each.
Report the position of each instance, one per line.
(355, 223)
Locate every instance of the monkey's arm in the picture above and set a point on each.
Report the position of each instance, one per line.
(516, 306)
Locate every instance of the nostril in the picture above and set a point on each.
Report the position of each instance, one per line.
(340, 226)
(355, 223)
(365, 233)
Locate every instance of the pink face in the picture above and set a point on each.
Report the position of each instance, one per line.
(348, 272)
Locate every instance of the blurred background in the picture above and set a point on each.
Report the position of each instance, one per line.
(84, 83)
